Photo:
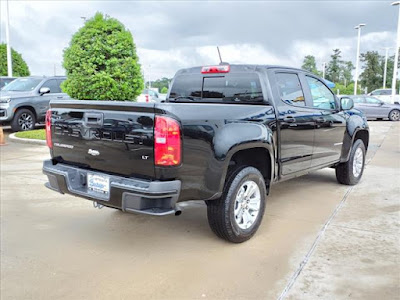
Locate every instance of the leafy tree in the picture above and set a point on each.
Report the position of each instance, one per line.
(346, 89)
(334, 66)
(372, 75)
(164, 90)
(310, 65)
(161, 83)
(101, 62)
(345, 72)
(19, 66)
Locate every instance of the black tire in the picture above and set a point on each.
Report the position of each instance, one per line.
(394, 115)
(221, 212)
(24, 119)
(344, 171)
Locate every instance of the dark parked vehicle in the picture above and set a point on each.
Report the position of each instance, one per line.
(224, 135)
(5, 80)
(373, 108)
(24, 101)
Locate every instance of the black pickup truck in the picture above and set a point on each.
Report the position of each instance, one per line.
(224, 135)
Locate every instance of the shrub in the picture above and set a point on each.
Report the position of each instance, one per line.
(101, 62)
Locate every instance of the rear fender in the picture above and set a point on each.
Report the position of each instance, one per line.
(236, 137)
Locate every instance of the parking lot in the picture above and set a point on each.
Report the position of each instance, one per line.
(318, 239)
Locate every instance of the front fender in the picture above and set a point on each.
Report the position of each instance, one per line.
(355, 123)
(24, 102)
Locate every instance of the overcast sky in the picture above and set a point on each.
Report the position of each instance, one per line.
(170, 35)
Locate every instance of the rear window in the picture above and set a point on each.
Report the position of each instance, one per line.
(234, 87)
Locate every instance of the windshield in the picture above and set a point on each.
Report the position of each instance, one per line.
(22, 85)
(233, 87)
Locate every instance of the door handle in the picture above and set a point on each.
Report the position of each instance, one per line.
(289, 119)
(320, 120)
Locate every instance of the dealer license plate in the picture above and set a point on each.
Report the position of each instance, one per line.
(99, 184)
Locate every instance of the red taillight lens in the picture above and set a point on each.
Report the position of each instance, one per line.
(167, 142)
(48, 129)
(215, 69)
(147, 98)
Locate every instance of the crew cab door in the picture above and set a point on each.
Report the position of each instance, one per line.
(330, 122)
(295, 122)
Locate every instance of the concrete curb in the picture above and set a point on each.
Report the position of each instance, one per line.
(26, 141)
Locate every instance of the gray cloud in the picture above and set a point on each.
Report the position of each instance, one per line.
(170, 35)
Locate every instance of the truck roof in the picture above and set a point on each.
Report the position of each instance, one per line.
(239, 68)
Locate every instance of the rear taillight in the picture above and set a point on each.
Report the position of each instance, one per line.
(48, 129)
(147, 98)
(215, 69)
(167, 142)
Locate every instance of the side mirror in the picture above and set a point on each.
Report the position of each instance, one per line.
(44, 90)
(346, 103)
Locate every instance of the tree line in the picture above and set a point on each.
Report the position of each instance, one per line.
(339, 71)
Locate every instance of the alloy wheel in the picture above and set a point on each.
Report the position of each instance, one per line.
(247, 204)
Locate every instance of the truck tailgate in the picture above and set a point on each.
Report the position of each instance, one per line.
(109, 136)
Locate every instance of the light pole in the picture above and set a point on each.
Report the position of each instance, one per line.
(385, 68)
(9, 60)
(149, 77)
(396, 54)
(358, 27)
(323, 69)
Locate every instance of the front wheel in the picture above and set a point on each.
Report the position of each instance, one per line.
(23, 120)
(350, 172)
(394, 115)
(237, 215)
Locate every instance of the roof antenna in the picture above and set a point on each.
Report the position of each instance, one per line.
(220, 58)
(219, 53)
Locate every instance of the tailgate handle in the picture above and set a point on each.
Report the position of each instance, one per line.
(93, 119)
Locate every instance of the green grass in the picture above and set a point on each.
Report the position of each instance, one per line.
(38, 134)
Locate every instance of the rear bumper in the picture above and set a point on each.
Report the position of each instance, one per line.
(126, 194)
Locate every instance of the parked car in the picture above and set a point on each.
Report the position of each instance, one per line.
(4, 80)
(385, 95)
(24, 101)
(148, 95)
(373, 108)
(225, 135)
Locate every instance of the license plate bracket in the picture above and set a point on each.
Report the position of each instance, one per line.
(99, 184)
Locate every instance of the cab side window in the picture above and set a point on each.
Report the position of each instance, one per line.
(290, 89)
(358, 99)
(372, 100)
(53, 85)
(322, 96)
(59, 82)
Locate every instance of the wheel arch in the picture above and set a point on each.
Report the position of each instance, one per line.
(29, 107)
(259, 156)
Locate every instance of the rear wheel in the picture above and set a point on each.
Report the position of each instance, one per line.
(237, 215)
(23, 120)
(394, 115)
(350, 172)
